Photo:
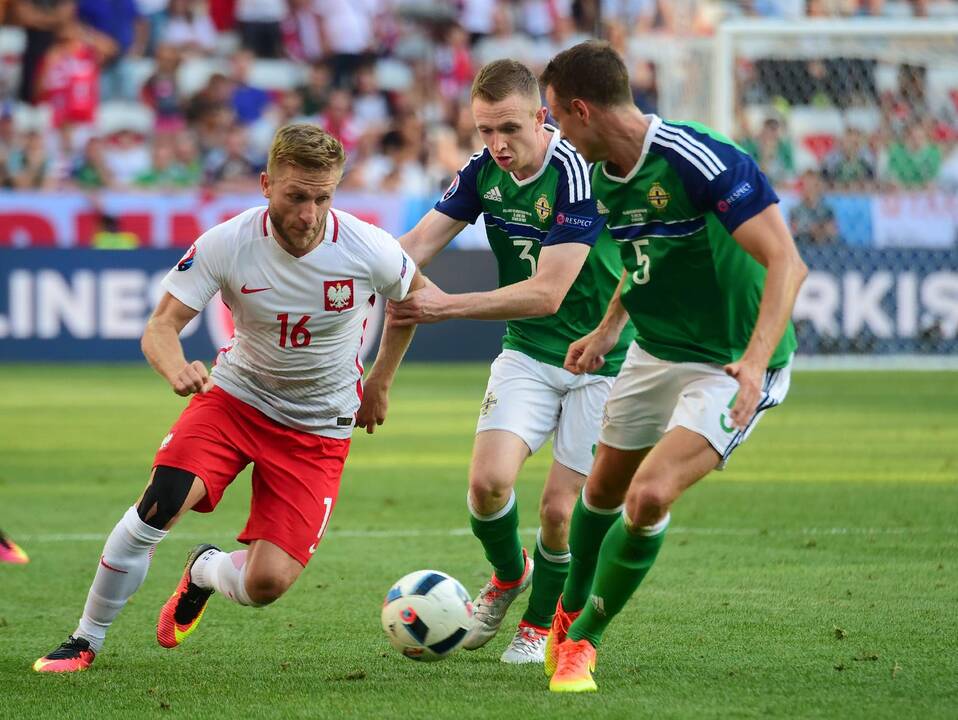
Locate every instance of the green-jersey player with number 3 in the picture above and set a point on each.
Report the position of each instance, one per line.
(711, 275)
(555, 258)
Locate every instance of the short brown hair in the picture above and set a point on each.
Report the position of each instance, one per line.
(499, 79)
(305, 146)
(590, 71)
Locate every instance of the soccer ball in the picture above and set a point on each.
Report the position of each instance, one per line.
(426, 615)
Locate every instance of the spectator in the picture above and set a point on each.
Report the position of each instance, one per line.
(477, 18)
(914, 162)
(188, 157)
(165, 171)
(68, 79)
(338, 120)
(153, 13)
(120, 21)
(40, 19)
(258, 23)
(850, 166)
(91, 171)
(30, 166)
(812, 221)
(189, 28)
(348, 35)
(773, 151)
(370, 108)
(248, 102)
(126, 156)
(161, 91)
(231, 170)
(302, 31)
(454, 68)
(504, 42)
(319, 84)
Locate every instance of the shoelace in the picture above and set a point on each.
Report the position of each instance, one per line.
(72, 645)
(575, 660)
(528, 641)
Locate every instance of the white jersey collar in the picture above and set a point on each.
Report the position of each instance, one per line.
(654, 122)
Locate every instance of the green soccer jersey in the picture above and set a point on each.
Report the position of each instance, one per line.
(553, 206)
(692, 292)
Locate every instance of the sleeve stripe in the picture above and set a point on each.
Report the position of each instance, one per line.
(695, 160)
(578, 162)
(696, 146)
(570, 175)
(472, 159)
(702, 157)
(574, 164)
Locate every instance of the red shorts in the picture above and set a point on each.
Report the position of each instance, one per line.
(295, 474)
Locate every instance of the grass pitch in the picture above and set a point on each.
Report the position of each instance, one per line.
(816, 577)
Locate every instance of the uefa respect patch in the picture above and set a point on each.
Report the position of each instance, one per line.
(451, 190)
(576, 221)
(186, 262)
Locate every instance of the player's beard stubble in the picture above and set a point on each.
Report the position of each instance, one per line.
(293, 237)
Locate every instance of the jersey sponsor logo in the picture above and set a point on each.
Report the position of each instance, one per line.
(249, 291)
(741, 191)
(186, 262)
(600, 206)
(658, 196)
(493, 194)
(577, 221)
(451, 190)
(166, 441)
(543, 208)
(338, 295)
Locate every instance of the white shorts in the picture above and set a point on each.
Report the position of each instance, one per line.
(534, 400)
(651, 396)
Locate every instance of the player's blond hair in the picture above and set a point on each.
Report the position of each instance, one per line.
(305, 146)
(499, 79)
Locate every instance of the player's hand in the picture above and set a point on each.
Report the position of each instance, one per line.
(426, 305)
(372, 409)
(193, 378)
(749, 376)
(587, 354)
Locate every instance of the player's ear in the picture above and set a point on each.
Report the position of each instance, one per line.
(580, 109)
(264, 183)
(541, 114)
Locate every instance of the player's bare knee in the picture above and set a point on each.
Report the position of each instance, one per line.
(648, 504)
(554, 516)
(488, 492)
(165, 496)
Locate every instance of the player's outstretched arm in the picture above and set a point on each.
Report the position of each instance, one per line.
(766, 238)
(162, 348)
(432, 233)
(392, 347)
(587, 354)
(540, 295)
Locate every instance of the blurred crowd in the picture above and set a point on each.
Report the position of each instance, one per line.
(166, 94)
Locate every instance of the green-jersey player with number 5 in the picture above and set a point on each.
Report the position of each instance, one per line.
(711, 277)
(555, 258)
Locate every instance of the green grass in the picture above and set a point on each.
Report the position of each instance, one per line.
(816, 577)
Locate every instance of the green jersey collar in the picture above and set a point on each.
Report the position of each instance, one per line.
(545, 162)
(654, 122)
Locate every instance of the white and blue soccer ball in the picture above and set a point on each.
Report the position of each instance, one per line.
(426, 615)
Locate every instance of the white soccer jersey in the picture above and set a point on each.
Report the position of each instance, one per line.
(299, 321)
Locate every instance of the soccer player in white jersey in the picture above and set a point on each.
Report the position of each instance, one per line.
(555, 257)
(285, 394)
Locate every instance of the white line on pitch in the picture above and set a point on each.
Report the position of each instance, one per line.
(454, 532)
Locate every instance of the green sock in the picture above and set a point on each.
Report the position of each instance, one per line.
(586, 532)
(624, 561)
(499, 535)
(548, 575)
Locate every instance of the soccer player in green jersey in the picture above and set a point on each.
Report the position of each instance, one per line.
(554, 258)
(711, 275)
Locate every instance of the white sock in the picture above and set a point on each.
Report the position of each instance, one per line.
(122, 569)
(224, 572)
